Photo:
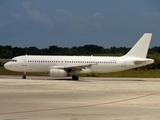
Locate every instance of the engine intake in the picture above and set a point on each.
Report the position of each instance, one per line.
(58, 73)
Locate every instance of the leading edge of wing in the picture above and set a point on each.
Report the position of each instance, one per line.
(73, 67)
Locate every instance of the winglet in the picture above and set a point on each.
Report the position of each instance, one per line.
(140, 49)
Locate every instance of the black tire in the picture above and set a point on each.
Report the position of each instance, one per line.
(74, 77)
(23, 77)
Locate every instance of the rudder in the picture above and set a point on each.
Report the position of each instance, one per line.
(140, 49)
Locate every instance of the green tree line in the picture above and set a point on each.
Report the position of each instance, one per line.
(10, 52)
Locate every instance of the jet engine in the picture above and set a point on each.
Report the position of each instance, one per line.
(58, 73)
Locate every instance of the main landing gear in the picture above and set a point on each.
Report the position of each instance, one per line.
(24, 75)
(74, 77)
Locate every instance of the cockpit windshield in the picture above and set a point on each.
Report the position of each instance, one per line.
(13, 60)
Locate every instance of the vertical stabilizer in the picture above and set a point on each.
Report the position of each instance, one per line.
(140, 49)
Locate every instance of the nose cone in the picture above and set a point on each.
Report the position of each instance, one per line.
(6, 66)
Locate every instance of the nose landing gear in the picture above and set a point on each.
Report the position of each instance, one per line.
(24, 75)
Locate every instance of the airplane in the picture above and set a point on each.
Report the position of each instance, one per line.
(62, 66)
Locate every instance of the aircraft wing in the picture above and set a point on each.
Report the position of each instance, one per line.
(74, 67)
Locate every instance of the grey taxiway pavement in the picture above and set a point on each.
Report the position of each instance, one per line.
(46, 98)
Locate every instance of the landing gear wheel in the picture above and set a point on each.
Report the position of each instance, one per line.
(74, 77)
(23, 77)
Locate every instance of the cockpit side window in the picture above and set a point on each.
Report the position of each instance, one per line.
(13, 60)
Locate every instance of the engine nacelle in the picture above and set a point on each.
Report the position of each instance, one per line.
(58, 73)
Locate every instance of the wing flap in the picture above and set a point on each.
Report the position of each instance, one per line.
(73, 67)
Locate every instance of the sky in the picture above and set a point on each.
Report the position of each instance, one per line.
(68, 23)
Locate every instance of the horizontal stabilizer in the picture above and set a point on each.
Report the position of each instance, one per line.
(145, 61)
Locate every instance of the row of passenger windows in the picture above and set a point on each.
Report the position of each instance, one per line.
(71, 61)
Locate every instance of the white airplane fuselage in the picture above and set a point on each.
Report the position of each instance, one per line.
(60, 66)
(30, 63)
